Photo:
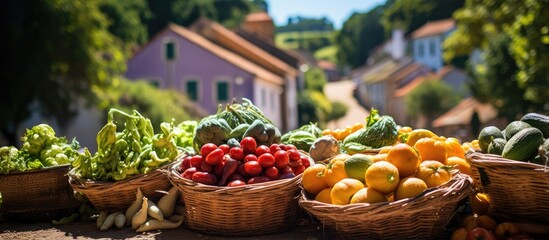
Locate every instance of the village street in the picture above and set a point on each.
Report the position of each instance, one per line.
(343, 91)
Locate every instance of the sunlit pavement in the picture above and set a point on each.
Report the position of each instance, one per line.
(343, 91)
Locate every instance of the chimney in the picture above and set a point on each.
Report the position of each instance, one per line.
(260, 24)
(397, 44)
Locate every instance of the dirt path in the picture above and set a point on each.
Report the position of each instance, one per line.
(343, 91)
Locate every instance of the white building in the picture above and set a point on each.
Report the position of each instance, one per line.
(427, 42)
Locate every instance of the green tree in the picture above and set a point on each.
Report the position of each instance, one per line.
(58, 51)
(127, 18)
(412, 14)
(430, 99)
(360, 34)
(520, 30)
(339, 110)
(315, 79)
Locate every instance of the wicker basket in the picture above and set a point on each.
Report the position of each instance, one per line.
(518, 190)
(423, 217)
(37, 195)
(119, 195)
(257, 209)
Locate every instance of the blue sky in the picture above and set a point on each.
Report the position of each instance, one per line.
(336, 10)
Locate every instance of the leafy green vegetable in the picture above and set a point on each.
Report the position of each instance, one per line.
(303, 137)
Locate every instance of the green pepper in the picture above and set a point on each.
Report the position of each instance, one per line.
(106, 137)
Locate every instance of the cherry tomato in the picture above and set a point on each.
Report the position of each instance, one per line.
(225, 148)
(218, 169)
(206, 167)
(235, 176)
(274, 148)
(294, 154)
(299, 169)
(188, 174)
(237, 153)
(215, 157)
(196, 161)
(272, 173)
(266, 160)
(241, 171)
(287, 169)
(185, 164)
(207, 149)
(236, 183)
(282, 158)
(306, 162)
(204, 178)
(252, 168)
(250, 157)
(294, 164)
(248, 144)
(262, 150)
(290, 146)
(259, 179)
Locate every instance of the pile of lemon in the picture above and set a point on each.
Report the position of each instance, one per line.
(401, 171)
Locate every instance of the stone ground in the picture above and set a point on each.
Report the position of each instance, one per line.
(343, 91)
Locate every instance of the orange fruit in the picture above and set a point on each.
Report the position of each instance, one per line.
(433, 173)
(405, 158)
(382, 176)
(432, 149)
(384, 149)
(368, 195)
(506, 230)
(356, 127)
(379, 157)
(324, 196)
(454, 148)
(335, 171)
(417, 134)
(470, 222)
(459, 234)
(409, 187)
(460, 164)
(312, 181)
(487, 223)
(343, 191)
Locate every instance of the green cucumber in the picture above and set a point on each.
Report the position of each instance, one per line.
(496, 146)
(486, 136)
(523, 145)
(514, 127)
(538, 121)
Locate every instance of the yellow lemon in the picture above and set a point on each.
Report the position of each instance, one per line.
(382, 176)
(460, 164)
(343, 191)
(368, 195)
(417, 134)
(409, 187)
(324, 196)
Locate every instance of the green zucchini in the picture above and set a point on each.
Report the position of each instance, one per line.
(538, 121)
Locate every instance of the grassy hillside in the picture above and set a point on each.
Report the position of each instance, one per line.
(327, 53)
(290, 40)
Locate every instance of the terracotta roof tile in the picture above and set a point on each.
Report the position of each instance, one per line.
(434, 28)
(326, 65)
(408, 88)
(239, 45)
(225, 54)
(461, 114)
(258, 16)
(444, 71)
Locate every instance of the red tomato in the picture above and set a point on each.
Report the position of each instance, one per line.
(204, 178)
(282, 158)
(225, 148)
(306, 162)
(287, 169)
(294, 154)
(259, 179)
(250, 157)
(286, 175)
(206, 167)
(262, 150)
(236, 183)
(299, 169)
(207, 149)
(294, 164)
(241, 171)
(274, 148)
(188, 174)
(248, 144)
(215, 157)
(185, 164)
(237, 153)
(479, 233)
(272, 173)
(290, 146)
(252, 168)
(235, 176)
(266, 160)
(196, 161)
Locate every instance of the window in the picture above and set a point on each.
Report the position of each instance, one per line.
(169, 50)
(222, 91)
(432, 47)
(263, 97)
(154, 82)
(192, 90)
(273, 101)
(420, 50)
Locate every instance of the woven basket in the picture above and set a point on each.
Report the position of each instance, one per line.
(37, 195)
(256, 209)
(423, 217)
(518, 190)
(119, 195)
